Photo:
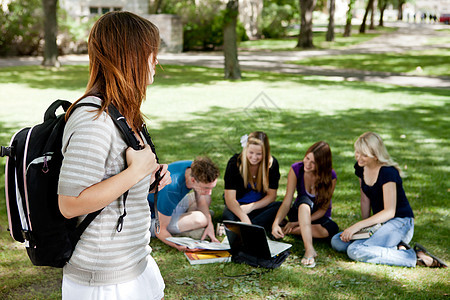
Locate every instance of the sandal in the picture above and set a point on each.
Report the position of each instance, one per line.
(308, 262)
(437, 262)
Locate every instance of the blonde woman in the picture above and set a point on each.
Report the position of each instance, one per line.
(382, 191)
(251, 183)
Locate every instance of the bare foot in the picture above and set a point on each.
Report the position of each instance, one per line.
(308, 259)
(424, 260)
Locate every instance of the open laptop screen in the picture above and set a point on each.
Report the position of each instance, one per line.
(250, 239)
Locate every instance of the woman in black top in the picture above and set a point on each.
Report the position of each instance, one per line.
(251, 183)
(382, 191)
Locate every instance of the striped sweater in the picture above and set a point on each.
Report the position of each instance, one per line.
(94, 150)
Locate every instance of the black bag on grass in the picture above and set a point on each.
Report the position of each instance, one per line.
(272, 263)
(32, 169)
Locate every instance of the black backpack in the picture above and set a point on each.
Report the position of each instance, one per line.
(32, 169)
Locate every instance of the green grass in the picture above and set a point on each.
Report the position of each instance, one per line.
(435, 62)
(193, 111)
(340, 42)
(443, 38)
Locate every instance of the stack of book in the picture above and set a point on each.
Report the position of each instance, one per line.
(209, 252)
(208, 257)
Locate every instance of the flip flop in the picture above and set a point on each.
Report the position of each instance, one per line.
(308, 259)
(440, 263)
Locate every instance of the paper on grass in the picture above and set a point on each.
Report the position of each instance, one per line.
(198, 244)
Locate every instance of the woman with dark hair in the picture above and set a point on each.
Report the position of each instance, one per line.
(310, 216)
(251, 183)
(98, 167)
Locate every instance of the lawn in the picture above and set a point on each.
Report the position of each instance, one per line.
(192, 111)
(433, 62)
(319, 40)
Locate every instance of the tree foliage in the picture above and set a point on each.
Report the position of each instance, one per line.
(277, 16)
(202, 21)
(21, 28)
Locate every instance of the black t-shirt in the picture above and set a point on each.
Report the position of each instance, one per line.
(234, 181)
(375, 192)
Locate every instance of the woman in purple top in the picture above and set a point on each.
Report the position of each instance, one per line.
(310, 216)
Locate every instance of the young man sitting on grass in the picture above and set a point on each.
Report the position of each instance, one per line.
(181, 212)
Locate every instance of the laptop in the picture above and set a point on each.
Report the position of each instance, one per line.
(252, 239)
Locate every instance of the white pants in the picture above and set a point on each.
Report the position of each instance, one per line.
(148, 285)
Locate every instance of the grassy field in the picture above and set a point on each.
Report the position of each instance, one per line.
(193, 111)
(319, 35)
(433, 62)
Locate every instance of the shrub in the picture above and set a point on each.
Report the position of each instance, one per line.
(21, 28)
(202, 23)
(276, 18)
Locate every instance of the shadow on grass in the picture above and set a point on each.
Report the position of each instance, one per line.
(333, 278)
(416, 137)
(75, 78)
(431, 62)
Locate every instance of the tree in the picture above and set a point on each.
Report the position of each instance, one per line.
(305, 39)
(50, 32)
(372, 16)
(400, 9)
(382, 5)
(155, 6)
(348, 24)
(362, 28)
(232, 69)
(330, 31)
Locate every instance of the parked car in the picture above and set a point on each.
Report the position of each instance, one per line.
(444, 18)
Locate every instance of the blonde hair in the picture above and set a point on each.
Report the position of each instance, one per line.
(261, 182)
(372, 145)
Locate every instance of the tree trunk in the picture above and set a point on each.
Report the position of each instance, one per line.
(330, 32)
(372, 16)
(382, 9)
(305, 39)
(400, 10)
(232, 69)
(154, 6)
(348, 24)
(362, 28)
(50, 32)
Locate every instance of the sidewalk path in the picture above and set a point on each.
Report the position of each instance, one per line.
(408, 37)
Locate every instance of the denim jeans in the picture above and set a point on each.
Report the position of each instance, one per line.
(381, 247)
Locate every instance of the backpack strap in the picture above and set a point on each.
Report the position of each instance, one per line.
(155, 183)
(133, 142)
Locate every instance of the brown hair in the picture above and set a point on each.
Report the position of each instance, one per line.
(323, 185)
(204, 170)
(262, 178)
(119, 47)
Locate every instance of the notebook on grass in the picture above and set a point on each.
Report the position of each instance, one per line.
(252, 239)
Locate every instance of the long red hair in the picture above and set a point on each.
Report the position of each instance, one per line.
(119, 46)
